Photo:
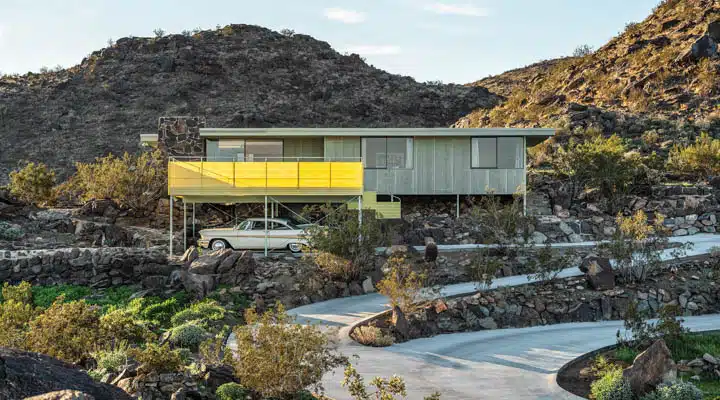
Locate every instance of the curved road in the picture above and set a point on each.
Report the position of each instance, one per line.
(495, 364)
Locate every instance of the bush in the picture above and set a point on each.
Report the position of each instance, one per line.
(158, 359)
(305, 351)
(700, 159)
(675, 391)
(582, 51)
(500, 223)
(547, 263)
(67, 331)
(114, 360)
(202, 312)
(33, 183)
(45, 296)
(133, 181)
(22, 292)
(380, 388)
(214, 352)
(335, 266)
(611, 386)
(339, 237)
(118, 325)
(231, 391)
(8, 232)
(401, 284)
(15, 320)
(155, 310)
(373, 336)
(188, 334)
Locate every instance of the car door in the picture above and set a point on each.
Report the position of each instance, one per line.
(238, 237)
(281, 235)
(255, 237)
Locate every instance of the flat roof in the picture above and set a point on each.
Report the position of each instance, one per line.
(289, 132)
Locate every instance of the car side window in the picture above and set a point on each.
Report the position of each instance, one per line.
(243, 225)
(279, 226)
(259, 226)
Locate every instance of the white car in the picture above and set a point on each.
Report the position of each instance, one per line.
(282, 233)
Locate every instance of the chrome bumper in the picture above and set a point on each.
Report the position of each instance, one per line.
(203, 243)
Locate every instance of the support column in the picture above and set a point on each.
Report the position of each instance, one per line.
(184, 225)
(360, 216)
(524, 175)
(172, 204)
(193, 222)
(457, 207)
(266, 226)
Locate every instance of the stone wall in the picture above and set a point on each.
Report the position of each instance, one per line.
(180, 136)
(692, 286)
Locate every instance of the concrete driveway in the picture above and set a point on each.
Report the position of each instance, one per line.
(497, 364)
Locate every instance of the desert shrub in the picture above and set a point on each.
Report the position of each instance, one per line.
(483, 268)
(500, 223)
(214, 352)
(156, 310)
(33, 183)
(650, 138)
(15, 320)
(156, 358)
(582, 51)
(675, 391)
(597, 163)
(306, 354)
(373, 336)
(67, 331)
(339, 235)
(232, 391)
(113, 360)
(118, 326)
(202, 312)
(21, 293)
(335, 266)
(379, 388)
(626, 354)
(9, 232)
(159, 32)
(643, 333)
(611, 386)
(700, 159)
(133, 181)
(45, 296)
(401, 284)
(547, 263)
(188, 334)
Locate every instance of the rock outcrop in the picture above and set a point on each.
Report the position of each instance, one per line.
(24, 374)
(236, 76)
(651, 368)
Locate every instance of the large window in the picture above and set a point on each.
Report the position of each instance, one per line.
(264, 150)
(234, 148)
(502, 152)
(382, 153)
(245, 150)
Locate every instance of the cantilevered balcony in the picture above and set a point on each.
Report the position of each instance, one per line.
(201, 179)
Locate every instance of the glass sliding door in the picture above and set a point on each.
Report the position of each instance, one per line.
(263, 150)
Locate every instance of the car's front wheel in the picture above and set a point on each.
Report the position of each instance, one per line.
(219, 244)
(295, 247)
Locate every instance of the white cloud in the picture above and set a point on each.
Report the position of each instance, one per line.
(345, 16)
(468, 10)
(372, 50)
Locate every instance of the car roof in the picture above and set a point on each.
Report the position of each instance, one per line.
(269, 219)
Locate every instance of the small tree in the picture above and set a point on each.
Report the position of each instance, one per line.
(582, 50)
(341, 234)
(501, 224)
(401, 284)
(278, 358)
(159, 32)
(380, 388)
(33, 183)
(547, 263)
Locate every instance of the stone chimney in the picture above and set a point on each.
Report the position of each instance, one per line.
(180, 136)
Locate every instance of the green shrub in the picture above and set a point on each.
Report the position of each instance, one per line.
(8, 232)
(22, 292)
(118, 325)
(611, 386)
(45, 296)
(111, 360)
(675, 391)
(700, 159)
(401, 284)
(67, 331)
(133, 181)
(15, 320)
(158, 359)
(189, 334)
(204, 311)
(626, 354)
(232, 391)
(33, 183)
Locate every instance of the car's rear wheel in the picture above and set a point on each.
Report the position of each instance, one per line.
(219, 244)
(295, 247)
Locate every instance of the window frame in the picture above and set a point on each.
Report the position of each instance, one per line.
(282, 144)
(497, 151)
(386, 167)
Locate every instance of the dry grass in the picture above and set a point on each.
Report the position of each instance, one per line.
(373, 336)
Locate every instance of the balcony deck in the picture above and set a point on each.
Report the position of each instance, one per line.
(233, 179)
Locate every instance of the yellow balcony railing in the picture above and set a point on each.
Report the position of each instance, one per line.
(234, 178)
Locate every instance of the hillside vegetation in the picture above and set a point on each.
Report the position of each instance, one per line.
(660, 74)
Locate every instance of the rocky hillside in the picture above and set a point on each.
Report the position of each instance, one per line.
(661, 74)
(237, 76)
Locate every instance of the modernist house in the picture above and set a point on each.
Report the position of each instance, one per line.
(375, 166)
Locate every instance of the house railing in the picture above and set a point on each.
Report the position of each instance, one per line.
(294, 175)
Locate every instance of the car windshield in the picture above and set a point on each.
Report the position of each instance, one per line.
(242, 226)
(296, 222)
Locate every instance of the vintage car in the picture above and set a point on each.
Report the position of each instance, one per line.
(282, 233)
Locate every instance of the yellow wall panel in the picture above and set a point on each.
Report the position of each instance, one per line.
(250, 174)
(314, 175)
(282, 174)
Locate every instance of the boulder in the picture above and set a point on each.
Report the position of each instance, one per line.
(598, 272)
(368, 286)
(207, 264)
(704, 47)
(25, 374)
(190, 255)
(62, 395)
(651, 368)
(402, 328)
(714, 31)
(431, 250)
(198, 284)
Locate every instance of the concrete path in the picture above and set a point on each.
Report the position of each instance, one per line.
(497, 364)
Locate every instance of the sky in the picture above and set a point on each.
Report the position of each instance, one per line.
(456, 41)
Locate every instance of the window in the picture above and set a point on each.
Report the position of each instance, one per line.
(484, 153)
(234, 148)
(264, 150)
(510, 153)
(382, 153)
(243, 225)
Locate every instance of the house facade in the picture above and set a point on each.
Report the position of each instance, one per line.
(319, 165)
